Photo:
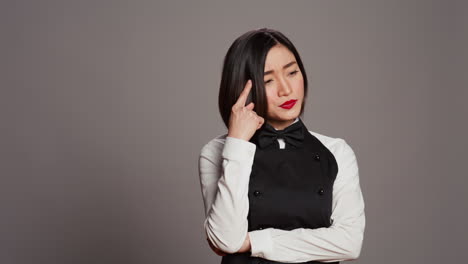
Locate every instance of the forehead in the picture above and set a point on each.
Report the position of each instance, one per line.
(278, 56)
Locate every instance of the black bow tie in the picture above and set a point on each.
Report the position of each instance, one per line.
(292, 135)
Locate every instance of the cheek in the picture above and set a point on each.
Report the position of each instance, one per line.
(270, 96)
(271, 100)
(299, 86)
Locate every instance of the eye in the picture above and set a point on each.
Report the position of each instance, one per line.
(293, 73)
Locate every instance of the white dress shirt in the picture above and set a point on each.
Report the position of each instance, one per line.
(225, 164)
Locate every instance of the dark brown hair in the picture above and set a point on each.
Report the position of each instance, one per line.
(245, 60)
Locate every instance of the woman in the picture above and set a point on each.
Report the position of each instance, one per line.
(274, 191)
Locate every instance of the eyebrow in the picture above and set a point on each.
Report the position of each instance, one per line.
(284, 67)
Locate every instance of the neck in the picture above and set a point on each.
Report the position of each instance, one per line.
(280, 125)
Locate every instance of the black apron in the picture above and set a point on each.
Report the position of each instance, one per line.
(289, 188)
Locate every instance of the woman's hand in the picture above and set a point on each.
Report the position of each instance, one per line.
(245, 247)
(244, 121)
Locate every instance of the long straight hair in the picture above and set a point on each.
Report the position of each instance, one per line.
(245, 59)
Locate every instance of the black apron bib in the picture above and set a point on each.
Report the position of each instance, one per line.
(289, 188)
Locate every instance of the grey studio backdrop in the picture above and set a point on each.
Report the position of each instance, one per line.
(105, 106)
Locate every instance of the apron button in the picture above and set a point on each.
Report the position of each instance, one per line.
(317, 157)
(321, 191)
(257, 193)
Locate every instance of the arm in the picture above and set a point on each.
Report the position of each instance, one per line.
(339, 242)
(245, 247)
(224, 179)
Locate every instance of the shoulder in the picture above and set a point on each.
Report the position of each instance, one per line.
(344, 156)
(214, 145)
(213, 149)
(216, 142)
(339, 147)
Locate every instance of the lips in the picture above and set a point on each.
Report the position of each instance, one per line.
(288, 104)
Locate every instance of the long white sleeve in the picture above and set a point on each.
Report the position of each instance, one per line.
(341, 241)
(224, 171)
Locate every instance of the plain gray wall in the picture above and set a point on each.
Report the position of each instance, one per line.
(105, 106)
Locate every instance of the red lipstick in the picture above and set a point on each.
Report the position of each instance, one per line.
(288, 104)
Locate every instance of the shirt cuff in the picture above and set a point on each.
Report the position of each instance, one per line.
(260, 243)
(238, 149)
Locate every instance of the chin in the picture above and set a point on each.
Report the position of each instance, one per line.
(291, 115)
(287, 118)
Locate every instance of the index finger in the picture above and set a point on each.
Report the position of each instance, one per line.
(244, 94)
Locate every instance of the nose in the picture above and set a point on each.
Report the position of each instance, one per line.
(284, 88)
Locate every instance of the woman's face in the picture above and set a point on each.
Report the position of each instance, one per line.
(283, 83)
